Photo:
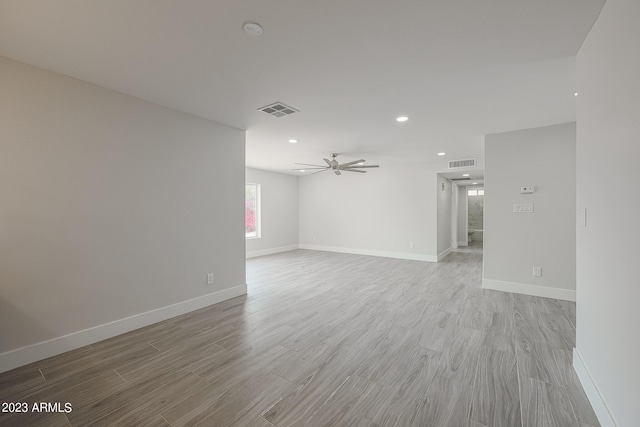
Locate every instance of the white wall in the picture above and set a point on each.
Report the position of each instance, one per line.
(608, 287)
(515, 242)
(377, 213)
(111, 207)
(279, 212)
(463, 221)
(444, 216)
(455, 198)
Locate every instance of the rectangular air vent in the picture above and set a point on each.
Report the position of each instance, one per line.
(278, 109)
(464, 163)
(460, 179)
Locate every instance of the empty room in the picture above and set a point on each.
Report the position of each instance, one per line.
(331, 213)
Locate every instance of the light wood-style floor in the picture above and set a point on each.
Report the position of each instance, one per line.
(328, 339)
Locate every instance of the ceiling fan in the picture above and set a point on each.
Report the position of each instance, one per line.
(354, 166)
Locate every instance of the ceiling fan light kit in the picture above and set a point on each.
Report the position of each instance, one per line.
(337, 168)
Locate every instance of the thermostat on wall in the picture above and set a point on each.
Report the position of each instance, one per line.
(526, 189)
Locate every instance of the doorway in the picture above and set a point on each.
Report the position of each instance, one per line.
(475, 216)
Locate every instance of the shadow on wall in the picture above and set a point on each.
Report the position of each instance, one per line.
(13, 324)
(476, 210)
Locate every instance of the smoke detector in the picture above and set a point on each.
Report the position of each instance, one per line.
(252, 29)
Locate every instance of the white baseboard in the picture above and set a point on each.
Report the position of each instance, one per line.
(253, 254)
(590, 388)
(32, 353)
(444, 253)
(463, 244)
(527, 289)
(385, 254)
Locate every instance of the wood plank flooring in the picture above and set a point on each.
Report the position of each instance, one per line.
(325, 339)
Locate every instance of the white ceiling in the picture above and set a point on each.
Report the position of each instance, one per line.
(458, 68)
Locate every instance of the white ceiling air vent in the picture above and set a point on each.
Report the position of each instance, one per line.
(461, 164)
(278, 109)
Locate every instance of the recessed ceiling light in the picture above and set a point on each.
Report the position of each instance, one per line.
(402, 119)
(575, 94)
(361, 163)
(293, 141)
(474, 183)
(441, 154)
(302, 170)
(465, 174)
(252, 29)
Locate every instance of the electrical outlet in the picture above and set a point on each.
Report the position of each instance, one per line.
(412, 245)
(537, 271)
(210, 279)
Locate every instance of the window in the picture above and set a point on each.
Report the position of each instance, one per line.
(252, 211)
(475, 192)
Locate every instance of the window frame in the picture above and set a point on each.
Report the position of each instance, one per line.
(258, 209)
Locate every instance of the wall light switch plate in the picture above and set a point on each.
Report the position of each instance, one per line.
(526, 189)
(583, 217)
(537, 271)
(210, 279)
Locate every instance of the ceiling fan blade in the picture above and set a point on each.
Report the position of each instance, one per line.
(323, 170)
(337, 172)
(307, 164)
(354, 170)
(327, 161)
(363, 166)
(306, 169)
(352, 163)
